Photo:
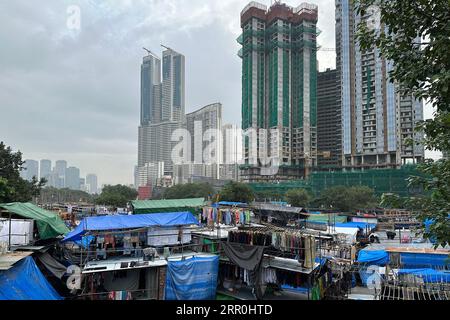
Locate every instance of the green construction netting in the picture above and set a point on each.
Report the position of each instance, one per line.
(172, 205)
(49, 224)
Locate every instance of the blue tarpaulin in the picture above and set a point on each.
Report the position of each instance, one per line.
(192, 279)
(424, 260)
(360, 225)
(373, 257)
(166, 219)
(24, 281)
(228, 203)
(428, 275)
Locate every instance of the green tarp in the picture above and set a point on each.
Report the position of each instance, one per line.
(49, 224)
(172, 205)
(325, 218)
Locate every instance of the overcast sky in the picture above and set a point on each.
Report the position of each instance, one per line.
(74, 94)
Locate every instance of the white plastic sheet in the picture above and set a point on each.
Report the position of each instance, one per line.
(21, 231)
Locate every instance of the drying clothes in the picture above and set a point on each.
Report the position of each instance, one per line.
(245, 256)
(269, 275)
(292, 279)
(255, 238)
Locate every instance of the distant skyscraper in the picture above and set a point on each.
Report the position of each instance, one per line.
(329, 139)
(92, 183)
(168, 109)
(205, 154)
(59, 174)
(173, 86)
(32, 170)
(279, 82)
(377, 120)
(232, 152)
(150, 95)
(73, 178)
(46, 170)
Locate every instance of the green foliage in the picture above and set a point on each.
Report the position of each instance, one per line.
(423, 69)
(189, 190)
(117, 196)
(347, 199)
(53, 195)
(392, 201)
(12, 187)
(237, 192)
(298, 198)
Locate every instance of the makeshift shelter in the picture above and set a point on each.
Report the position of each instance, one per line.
(173, 205)
(373, 257)
(327, 218)
(49, 224)
(427, 275)
(169, 219)
(192, 279)
(24, 281)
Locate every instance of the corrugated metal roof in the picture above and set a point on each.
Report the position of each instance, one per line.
(9, 259)
(172, 203)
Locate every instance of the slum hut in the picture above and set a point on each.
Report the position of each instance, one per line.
(280, 215)
(408, 271)
(127, 257)
(25, 224)
(193, 205)
(270, 262)
(217, 220)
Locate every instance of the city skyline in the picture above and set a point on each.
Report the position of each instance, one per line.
(100, 93)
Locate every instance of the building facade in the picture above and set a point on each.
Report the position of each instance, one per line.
(73, 178)
(204, 145)
(31, 170)
(232, 152)
(45, 170)
(329, 132)
(167, 111)
(279, 83)
(377, 120)
(150, 81)
(92, 183)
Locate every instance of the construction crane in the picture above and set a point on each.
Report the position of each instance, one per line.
(149, 52)
(165, 47)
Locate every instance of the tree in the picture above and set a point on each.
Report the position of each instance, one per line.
(392, 201)
(189, 190)
(53, 195)
(298, 197)
(347, 198)
(423, 70)
(117, 196)
(237, 192)
(12, 187)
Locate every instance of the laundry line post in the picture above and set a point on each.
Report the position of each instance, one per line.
(9, 235)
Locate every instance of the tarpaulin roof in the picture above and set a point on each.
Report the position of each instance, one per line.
(25, 281)
(420, 260)
(172, 205)
(325, 218)
(373, 257)
(359, 225)
(130, 222)
(428, 275)
(49, 224)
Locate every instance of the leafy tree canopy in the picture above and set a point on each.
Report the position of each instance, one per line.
(189, 190)
(237, 192)
(12, 187)
(117, 196)
(347, 199)
(298, 198)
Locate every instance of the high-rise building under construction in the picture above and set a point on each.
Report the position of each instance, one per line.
(279, 83)
(377, 119)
